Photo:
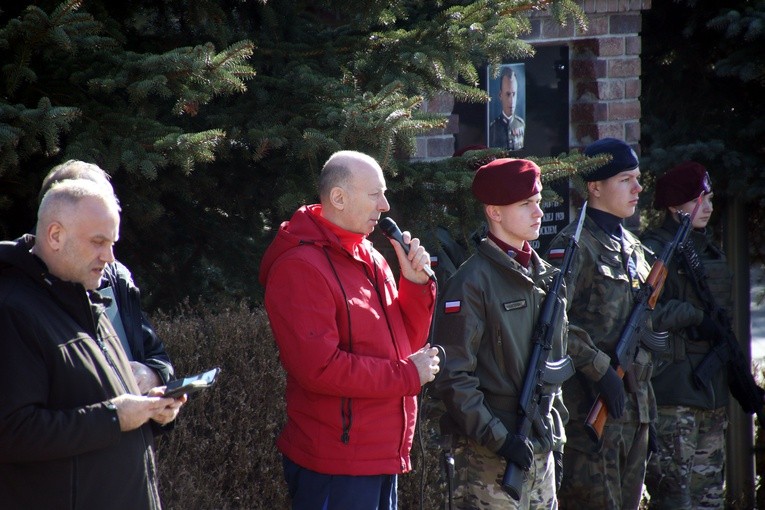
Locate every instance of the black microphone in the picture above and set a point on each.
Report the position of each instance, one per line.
(391, 230)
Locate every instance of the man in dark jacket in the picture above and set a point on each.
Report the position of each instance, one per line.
(148, 359)
(74, 427)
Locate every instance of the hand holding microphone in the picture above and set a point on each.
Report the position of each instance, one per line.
(391, 230)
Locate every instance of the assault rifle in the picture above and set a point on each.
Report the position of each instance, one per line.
(726, 351)
(635, 330)
(540, 371)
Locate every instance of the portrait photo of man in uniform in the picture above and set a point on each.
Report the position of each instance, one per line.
(507, 107)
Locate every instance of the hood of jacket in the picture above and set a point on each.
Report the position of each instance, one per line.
(72, 297)
(16, 254)
(302, 228)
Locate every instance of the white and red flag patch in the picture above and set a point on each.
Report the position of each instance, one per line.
(556, 253)
(452, 306)
(434, 261)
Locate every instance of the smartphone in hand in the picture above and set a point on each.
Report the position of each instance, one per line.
(191, 384)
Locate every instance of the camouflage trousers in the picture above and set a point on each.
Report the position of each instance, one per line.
(688, 471)
(478, 476)
(609, 476)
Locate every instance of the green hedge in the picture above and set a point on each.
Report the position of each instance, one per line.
(222, 453)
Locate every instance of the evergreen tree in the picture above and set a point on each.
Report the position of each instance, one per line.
(703, 83)
(214, 117)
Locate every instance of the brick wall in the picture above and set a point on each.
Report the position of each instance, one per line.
(604, 76)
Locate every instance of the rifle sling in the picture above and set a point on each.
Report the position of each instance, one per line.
(700, 286)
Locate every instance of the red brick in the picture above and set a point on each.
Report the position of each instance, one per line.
(591, 6)
(624, 110)
(582, 113)
(584, 48)
(551, 29)
(586, 91)
(611, 46)
(611, 130)
(632, 132)
(611, 89)
(597, 25)
(585, 133)
(601, 90)
(588, 69)
(626, 23)
(588, 133)
(632, 88)
(633, 45)
(624, 67)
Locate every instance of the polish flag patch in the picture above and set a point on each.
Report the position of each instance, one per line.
(452, 306)
(434, 261)
(556, 253)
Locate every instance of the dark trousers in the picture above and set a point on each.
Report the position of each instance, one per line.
(310, 490)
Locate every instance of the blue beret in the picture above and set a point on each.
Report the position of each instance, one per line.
(623, 158)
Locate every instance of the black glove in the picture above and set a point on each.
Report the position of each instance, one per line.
(653, 440)
(518, 450)
(558, 458)
(611, 388)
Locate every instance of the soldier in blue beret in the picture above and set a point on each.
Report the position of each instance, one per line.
(609, 268)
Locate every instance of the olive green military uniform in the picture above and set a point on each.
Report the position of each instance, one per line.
(600, 293)
(687, 472)
(484, 320)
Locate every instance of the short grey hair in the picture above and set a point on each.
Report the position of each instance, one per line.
(68, 193)
(73, 169)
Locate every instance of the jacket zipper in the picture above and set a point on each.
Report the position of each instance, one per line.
(380, 298)
(149, 465)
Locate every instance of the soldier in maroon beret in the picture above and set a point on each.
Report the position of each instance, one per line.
(681, 185)
(484, 319)
(688, 470)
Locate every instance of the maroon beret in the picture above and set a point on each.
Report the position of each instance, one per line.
(506, 181)
(681, 184)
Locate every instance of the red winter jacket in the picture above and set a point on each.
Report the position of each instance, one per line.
(344, 333)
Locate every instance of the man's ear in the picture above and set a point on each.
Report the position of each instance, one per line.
(55, 235)
(593, 188)
(492, 212)
(337, 198)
